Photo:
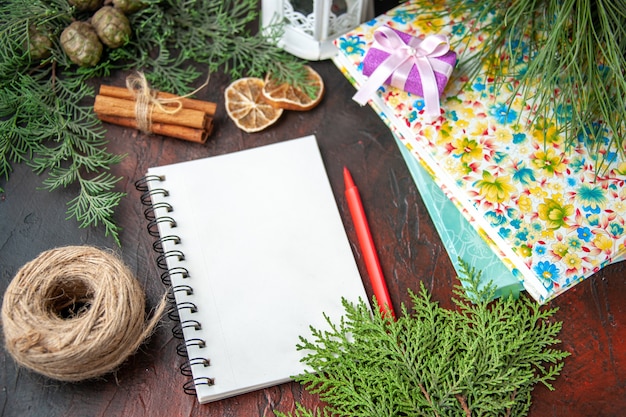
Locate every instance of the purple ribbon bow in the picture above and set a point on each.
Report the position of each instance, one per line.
(402, 57)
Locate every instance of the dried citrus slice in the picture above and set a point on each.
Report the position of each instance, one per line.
(288, 97)
(247, 108)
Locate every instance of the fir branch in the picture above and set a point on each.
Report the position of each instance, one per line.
(214, 33)
(483, 358)
(48, 128)
(570, 53)
(41, 119)
(95, 202)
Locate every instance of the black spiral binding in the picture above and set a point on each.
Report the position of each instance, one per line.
(182, 350)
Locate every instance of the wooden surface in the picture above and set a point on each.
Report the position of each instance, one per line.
(593, 382)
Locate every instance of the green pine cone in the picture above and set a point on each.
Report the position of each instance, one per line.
(112, 26)
(39, 43)
(81, 44)
(86, 5)
(129, 6)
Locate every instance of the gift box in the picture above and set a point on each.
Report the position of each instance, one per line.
(418, 66)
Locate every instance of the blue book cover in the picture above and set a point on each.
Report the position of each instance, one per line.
(459, 237)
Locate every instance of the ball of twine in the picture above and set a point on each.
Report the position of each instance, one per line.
(75, 313)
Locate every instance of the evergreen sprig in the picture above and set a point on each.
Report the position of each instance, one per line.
(571, 54)
(481, 358)
(46, 117)
(214, 33)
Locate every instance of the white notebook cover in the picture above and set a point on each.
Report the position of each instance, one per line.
(267, 256)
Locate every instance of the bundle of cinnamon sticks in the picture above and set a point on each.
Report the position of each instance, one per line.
(193, 121)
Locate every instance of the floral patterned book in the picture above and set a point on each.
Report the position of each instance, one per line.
(545, 210)
(458, 236)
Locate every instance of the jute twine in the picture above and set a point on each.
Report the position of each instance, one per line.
(146, 100)
(75, 313)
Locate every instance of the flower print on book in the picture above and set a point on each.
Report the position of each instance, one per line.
(353, 45)
(494, 189)
(592, 198)
(548, 273)
(554, 212)
(538, 197)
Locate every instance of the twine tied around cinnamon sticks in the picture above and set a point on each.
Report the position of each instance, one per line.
(146, 101)
(75, 313)
(139, 107)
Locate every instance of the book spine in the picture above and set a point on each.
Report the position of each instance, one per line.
(161, 225)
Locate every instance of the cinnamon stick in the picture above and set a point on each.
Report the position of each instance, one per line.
(187, 103)
(112, 106)
(208, 127)
(174, 131)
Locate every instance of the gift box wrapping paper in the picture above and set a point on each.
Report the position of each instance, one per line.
(420, 66)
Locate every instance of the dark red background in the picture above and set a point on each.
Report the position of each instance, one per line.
(149, 383)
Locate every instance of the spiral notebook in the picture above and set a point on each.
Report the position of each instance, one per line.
(256, 253)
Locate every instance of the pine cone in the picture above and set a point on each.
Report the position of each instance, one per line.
(129, 6)
(86, 5)
(112, 26)
(81, 44)
(39, 43)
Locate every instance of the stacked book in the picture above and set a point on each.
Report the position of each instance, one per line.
(523, 207)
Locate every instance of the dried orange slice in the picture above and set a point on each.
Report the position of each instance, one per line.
(246, 107)
(288, 97)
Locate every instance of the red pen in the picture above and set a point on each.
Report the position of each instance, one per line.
(367, 245)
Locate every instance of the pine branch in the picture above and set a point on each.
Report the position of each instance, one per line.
(483, 358)
(42, 120)
(568, 57)
(213, 33)
(94, 204)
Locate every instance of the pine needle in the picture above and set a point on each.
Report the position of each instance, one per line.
(482, 358)
(572, 52)
(42, 120)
